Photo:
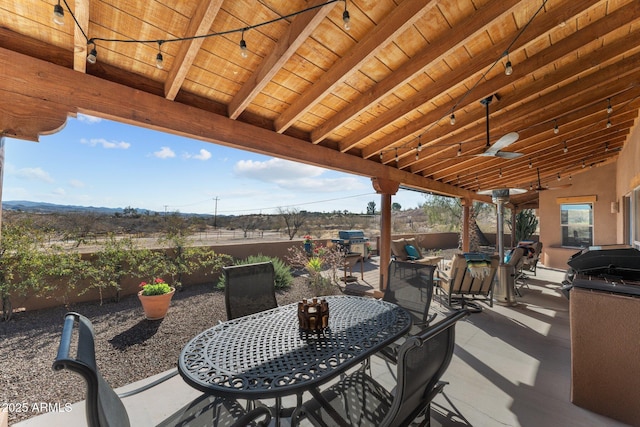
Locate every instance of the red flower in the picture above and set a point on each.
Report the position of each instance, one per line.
(143, 284)
(159, 280)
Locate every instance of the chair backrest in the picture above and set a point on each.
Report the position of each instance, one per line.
(464, 282)
(103, 406)
(410, 285)
(422, 360)
(249, 288)
(516, 258)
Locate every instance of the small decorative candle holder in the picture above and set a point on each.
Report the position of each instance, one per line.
(313, 315)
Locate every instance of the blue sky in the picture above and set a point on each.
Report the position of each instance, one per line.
(96, 162)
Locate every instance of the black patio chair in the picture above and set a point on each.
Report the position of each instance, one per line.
(410, 286)
(359, 400)
(249, 289)
(105, 408)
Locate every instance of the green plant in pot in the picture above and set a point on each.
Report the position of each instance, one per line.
(155, 298)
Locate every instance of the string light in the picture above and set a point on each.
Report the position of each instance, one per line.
(500, 173)
(346, 18)
(243, 47)
(609, 107)
(93, 55)
(556, 129)
(608, 123)
(396, 156)
(58, 14)
(606, 147)
(58, 17)
(583, 164)
(459, 150)
(558, 177)
(452, 119)
(530, 164)
(159, 59)
(565, 149)
(508, 69)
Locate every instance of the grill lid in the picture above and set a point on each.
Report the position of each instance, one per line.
(615, 260)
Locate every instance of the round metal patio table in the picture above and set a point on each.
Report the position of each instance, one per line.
(266, 355)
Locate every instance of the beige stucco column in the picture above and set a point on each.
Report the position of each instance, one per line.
(386, 188)
(466, 210)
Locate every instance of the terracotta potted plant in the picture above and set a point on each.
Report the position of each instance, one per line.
(155, 298)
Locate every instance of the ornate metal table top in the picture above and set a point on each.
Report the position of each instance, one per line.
(266, 354)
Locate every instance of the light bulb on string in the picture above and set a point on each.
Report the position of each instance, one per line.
(58, 14)
(508, 69)
(346, 18)
(93, 55)
(459, 150)
(243, 47)
(608, 123)
(452, 119)
(556, 129)
(565, 149)
(609, 107)
(159, 58)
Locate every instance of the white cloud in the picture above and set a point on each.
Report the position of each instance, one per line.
(274, 170)
(88, 119)
(105, 144)
(202, 155)
(36, 174)
(164, 153)
(59, 191)
(297, 177)
(76, 183)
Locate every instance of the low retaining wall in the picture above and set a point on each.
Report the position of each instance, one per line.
(130, 285)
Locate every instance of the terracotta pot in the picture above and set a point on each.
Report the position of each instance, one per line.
(156, 306)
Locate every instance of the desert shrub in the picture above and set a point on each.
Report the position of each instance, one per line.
(282, 273)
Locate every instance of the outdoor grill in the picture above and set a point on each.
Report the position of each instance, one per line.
(351, 241)
(607, 268)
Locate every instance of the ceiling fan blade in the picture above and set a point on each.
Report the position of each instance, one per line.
(503, 142)
(508, 155)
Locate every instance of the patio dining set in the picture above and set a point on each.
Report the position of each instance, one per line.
(245, 367)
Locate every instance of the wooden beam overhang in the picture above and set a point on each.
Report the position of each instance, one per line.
(39, 95)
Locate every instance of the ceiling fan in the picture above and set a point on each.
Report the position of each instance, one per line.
(505, 141)
(541, 188)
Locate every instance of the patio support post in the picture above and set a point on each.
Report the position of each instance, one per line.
(466, 211)
(386, 188)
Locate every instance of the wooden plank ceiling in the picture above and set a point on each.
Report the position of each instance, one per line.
(386, 89)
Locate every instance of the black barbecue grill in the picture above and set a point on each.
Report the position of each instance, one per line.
(351, 241)
(610, 268)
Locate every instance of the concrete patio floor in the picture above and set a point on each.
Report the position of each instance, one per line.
(511, 366)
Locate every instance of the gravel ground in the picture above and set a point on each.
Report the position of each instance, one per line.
(128, 347)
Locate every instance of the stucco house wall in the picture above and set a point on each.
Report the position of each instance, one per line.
(608, 183)
(598, 182)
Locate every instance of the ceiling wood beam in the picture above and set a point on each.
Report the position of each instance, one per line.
(35, 80)
(525, 120)
(486, 88)
(200, 24)
(79, 41)
(573, 97)
(297, 33)
(410, 69)
(398, 21)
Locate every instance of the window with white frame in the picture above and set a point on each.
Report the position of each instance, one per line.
(576, 223)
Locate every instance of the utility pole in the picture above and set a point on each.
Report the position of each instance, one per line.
(215, 213)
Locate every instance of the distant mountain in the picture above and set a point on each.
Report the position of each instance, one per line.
(27, 206)
(42, 207)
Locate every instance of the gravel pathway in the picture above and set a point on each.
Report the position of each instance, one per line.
(128, 347)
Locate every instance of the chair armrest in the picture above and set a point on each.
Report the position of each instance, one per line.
(160, 380)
